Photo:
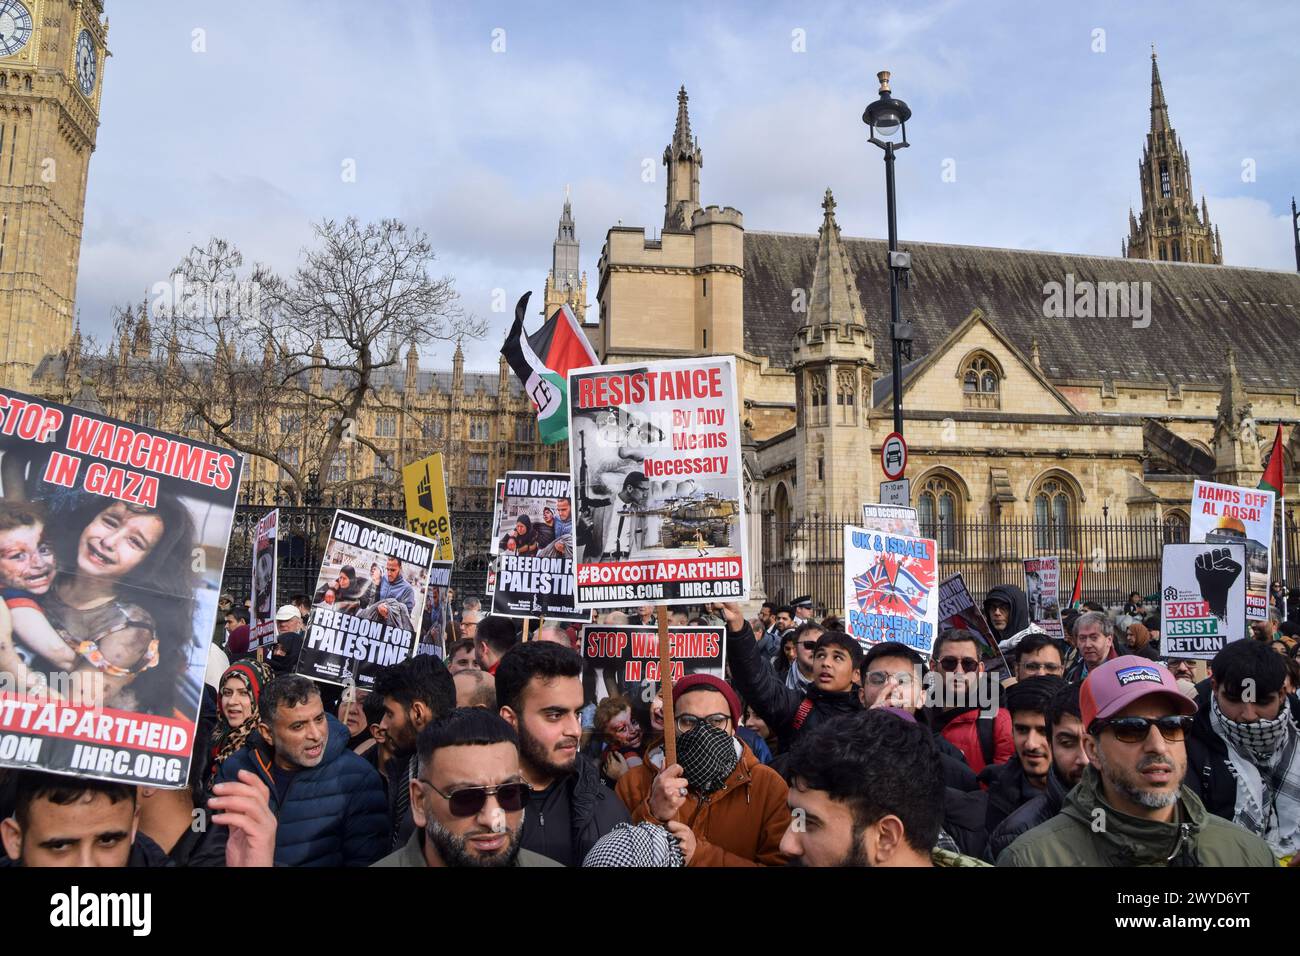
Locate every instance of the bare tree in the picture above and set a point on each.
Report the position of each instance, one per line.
(245, 347)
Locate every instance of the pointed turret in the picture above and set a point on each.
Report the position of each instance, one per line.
(1159, 109)
(833, 299)
(458, 371)
(1236, 445)
(683, 158)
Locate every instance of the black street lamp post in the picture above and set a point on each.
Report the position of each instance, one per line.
(887, 118)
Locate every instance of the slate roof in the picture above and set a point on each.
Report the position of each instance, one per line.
(1197, 311)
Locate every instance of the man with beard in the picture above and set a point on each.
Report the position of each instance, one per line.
(867, 790)
(469, 797)
(1243, 754)
(1065, 737)
(417, 692)
(1130, 808)
(1022, 778)
(539, 691)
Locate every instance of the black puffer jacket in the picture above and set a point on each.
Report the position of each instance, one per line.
(1209, 773)
(594, 810)
(1019, 620)
(1009, 789)
(1028, 815)
(778, 705)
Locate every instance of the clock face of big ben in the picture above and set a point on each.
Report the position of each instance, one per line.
(15, 27)
(85, 62)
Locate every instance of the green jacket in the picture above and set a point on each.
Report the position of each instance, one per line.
(412, 854)
(1088, 832)
(947, 858)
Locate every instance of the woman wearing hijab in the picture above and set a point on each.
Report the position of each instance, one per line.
(237, 714)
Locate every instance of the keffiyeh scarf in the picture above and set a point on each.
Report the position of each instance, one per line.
(644, 844)
(1262, 756)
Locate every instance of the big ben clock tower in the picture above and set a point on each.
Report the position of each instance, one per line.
(52, 56)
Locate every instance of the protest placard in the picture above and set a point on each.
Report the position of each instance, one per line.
(1042, 591)
(535, 550)
(957, 608)
(624, 659)
(368, 603)
(265, 585)
(656, 459)
(437, 610)
(425, 485)
(498, 499)
(891, 588)
(1202, 599)
(1227, 514)
(891, 519)
(115, 538)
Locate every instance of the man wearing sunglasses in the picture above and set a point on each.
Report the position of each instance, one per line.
(1131, 808)
(1243, 754)
(981, 733)
(805, 647)
(725, 807)
(469, 796)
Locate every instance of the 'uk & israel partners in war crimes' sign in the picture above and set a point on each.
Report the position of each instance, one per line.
(655, 455)
(624, 659)
(891, 588)
(1228, 514)
(114, 539)
(1202, 599)
(534, 560)
(368, 603)
(425, 488)
(261, 618)
(1042, 591)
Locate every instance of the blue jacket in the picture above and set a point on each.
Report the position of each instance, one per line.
(333, 814)
(399, 590)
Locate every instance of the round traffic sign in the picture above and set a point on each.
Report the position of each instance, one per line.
(893, 456)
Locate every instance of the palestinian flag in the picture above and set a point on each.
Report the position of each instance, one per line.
(1273, 478)
(1076, 598)
(542, 362)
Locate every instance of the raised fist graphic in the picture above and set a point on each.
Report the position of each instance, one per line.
(1216, 572)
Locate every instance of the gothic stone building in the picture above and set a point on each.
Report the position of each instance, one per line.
(1048, 386)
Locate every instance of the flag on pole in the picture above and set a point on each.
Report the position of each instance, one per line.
(542, 362)
(1076, 598)
(1273, 478)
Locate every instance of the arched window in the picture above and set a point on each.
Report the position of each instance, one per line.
(981, 382)
(938, 510)
(817, 388)
(845, 389)
(1164, 179)
(1176, 526)
(1177, 251)
(1162, 251)
(1054, 509)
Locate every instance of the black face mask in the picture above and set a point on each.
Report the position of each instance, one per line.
(708, 756)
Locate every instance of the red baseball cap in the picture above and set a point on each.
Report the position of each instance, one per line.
(1121, 680)
(708, 681)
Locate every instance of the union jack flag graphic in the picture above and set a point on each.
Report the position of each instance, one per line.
(895, 585)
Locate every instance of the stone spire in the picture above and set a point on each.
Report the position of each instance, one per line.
(833, 299)
(683, 158)
(412, 366)
(1159, 109)
(1236, 444)
(1172, 226)
(458, 370)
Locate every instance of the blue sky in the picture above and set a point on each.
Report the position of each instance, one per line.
(247, 140)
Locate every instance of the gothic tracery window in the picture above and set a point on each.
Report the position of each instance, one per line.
(981, 383)
(1053, 509)
(938, 510)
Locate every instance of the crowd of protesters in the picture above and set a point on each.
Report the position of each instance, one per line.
(1024, 751)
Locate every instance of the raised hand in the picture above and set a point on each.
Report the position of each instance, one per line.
(1216, 572)
(244, 805)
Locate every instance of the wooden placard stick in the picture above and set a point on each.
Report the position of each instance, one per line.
(527, 622)
(666, 688)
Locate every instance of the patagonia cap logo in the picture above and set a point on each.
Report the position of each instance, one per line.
(1132, 675)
